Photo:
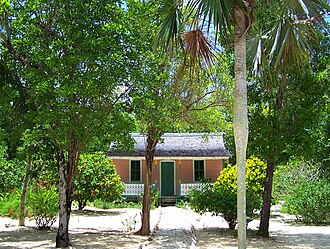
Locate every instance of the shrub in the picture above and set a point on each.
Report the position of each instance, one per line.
(9, 204)
(43, 204)
(11, 174)
(295, 172)
(96, 179)
(221, 198)
(310, 202)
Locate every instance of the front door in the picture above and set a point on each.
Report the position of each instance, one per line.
(167, 178)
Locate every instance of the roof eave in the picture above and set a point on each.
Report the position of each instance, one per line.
(173, 157)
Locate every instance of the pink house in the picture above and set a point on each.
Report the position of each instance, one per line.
(182, 161)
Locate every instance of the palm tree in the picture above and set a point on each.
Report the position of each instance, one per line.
(224, 15)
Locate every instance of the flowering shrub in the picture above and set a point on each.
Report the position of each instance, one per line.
(96, 179)
(221, 198)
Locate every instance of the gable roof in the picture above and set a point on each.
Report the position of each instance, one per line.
(178, 145)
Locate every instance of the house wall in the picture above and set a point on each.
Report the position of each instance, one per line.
(213, 169)
(183, 170)
(122, 167)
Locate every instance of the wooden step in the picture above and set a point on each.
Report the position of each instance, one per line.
(168, 201)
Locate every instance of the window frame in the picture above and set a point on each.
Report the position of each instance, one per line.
(130, 169)
(204, 169)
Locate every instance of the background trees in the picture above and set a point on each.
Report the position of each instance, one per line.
(68, 58)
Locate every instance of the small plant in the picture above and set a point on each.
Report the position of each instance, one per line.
(154, 196)
(43, 204)
(183, 203)
(130, 223)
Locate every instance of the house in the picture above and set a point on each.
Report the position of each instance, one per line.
(182, 161)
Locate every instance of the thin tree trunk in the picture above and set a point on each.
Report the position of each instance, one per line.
(152, 140)
(66, 188)
(267, 200)
(21, 221)
(62, 238)
(240, 122)
(145, 219)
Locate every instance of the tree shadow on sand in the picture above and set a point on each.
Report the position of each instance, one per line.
(30, 237)
(225, 238)
(87, 212)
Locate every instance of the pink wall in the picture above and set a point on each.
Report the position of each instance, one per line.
(183, 170)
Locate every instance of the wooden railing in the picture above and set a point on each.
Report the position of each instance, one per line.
(186, 187)
(133, 189)
(136, 189)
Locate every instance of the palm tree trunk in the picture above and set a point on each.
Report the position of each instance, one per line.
(240, 122)
(21, 221)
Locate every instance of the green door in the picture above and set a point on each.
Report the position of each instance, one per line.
(167, 178)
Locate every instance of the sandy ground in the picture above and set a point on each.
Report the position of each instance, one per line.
(172, 228)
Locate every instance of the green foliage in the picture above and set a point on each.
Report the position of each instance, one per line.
(310, 202)
(120, 204)
(255, 175)
(221, 198)
(11, 174)
(9, 204)
(96, 179)
(295, 172)
(154, 196)
(43, 205)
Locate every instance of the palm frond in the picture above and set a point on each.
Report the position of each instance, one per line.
(171, 18)
(198, 47)
(290, 43)
(219, 13)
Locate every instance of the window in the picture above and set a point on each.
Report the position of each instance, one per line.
(199, 171)
(135, 171)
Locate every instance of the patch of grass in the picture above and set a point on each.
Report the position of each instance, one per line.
(110, 205)
(9, 205)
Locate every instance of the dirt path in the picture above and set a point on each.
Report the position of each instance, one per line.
(174, 228)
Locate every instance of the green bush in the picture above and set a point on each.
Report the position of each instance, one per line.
(310, 202)
(43, 205)
(295, 172)
(9, 204)
(11, 175)
(96, 179)
(221, 198)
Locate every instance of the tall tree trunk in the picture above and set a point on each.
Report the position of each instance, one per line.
(268, 183)
(240, 122)
(266, 199)
(152, 140)
(62, 238)
(21, 221)
(66, 188)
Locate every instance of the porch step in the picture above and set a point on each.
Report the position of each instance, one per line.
(168, 201)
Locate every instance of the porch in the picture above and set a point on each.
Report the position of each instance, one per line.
(136, 189)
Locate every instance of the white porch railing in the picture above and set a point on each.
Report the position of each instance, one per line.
(136, 189)
(133, 189)
(186, 187)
